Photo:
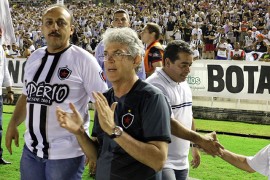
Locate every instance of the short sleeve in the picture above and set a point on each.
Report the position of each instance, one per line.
(155, 55)
(156, 119)
(261, 161)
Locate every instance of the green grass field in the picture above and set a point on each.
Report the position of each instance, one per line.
(210, 168)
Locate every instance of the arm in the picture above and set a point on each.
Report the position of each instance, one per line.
(7, 81)
(17, 118)
(236, 160)
(152, 153)
(195, 152)
(205, 142)
(87, 145)
(73, 123)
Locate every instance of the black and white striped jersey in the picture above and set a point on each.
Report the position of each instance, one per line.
(52, 80)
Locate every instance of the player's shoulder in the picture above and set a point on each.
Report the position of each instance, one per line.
(147, 89)
(156, 48)
(37, 54)
(80, 54)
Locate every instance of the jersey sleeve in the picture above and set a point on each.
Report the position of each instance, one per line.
(155, 55)
(6, 79)
(93, 77)
(99, 53)
(261, 161)
(156, 118)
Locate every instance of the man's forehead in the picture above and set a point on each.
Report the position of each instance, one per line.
(114, 47)
(120, 15)
(54, 18)
(56, 13)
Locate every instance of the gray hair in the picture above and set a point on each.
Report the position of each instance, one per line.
(127, 37)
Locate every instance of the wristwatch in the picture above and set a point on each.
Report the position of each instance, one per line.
(194, 145)
(117, 132)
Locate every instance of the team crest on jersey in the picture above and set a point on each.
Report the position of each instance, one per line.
(127, 120)
(102, 76)
(64, 73)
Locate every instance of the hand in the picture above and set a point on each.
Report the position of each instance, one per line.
(211, 145)
(105, 112)
(92, 168)
(12, 133)
(70, 121)
(196, 158)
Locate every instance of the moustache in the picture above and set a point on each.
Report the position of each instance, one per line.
(56, 34)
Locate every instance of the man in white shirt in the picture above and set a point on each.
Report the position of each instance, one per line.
(197, 31)
(171, 80)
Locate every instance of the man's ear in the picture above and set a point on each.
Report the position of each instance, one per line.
(72, 29)
(167, 62)
(137, 60)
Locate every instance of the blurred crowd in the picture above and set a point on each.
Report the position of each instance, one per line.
(215, 29)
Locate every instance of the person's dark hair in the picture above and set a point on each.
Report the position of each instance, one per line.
(153, 27)
(175, 47)
(58, 6)
(121, 11)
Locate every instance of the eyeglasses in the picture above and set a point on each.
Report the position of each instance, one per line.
(117, 56)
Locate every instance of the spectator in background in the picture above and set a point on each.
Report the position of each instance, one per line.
(197, 30)
(150, 35)
(209, 37)
(265, 34)
(244, 28)
(236, 30)
(27, 48)
(254, 33)
(177, 34)
(95, 19)
(14, 52)
(169, 28)
(5, 49)
(260, 45)
(261, 24)
(187, 30)
(266, 56)
(248, 43)
(231, 35)
(196, 45)
(237, 53)
(222, 49)
(120, 20)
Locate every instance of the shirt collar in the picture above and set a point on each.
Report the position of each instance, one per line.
(164, 76)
